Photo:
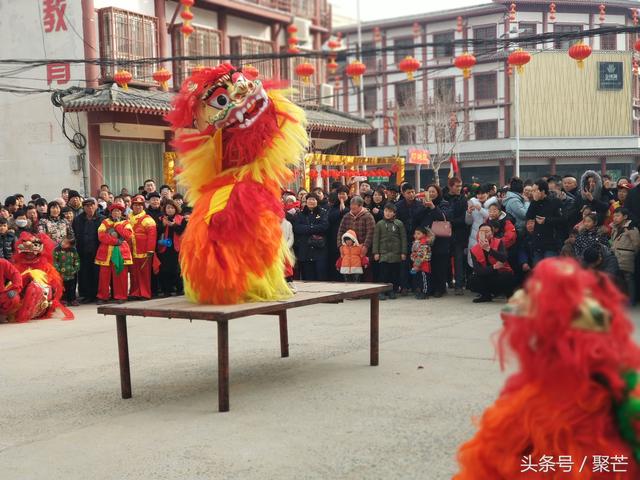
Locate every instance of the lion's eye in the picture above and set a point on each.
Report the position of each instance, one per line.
(219, 101)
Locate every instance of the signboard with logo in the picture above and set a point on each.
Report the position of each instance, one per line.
(416, 156)
(610, 75)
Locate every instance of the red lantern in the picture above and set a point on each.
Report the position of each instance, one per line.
(186, 15)
(332, 66)
(603, 12)
(409, 65)
(313, 173)
(552, 12)
(293, 50)
(324, 174)
(512, 13)
(579, 52)
(636, 46)
(334, 44)
(122, 78)
(519, 59)
(634, 16)
(187, 29)
(293, 41)
(305, 70)
(187, 3)
(291, 29)
(162, 76)
(250, 72)
(459, 24)
(355, 70)
(465, 62)
(416, 30)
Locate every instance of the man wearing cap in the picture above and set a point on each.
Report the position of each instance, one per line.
(114, 255)
(85, 228)
(75, 202)
(154, 209)
(143, 245)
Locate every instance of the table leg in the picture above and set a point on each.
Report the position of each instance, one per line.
(284, 334)
(123, 351)
(223, 366)
(375, 317)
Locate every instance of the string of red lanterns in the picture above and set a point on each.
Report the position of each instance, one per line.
(328, 173)
(603, 14)
(579, 52)
(519, 59)
(512, 13)
(293, 39)
(187, 15)
(552, 12)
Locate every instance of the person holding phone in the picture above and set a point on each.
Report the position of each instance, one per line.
(547, 213)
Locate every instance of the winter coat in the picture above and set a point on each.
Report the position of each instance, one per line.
(389, 240)
(483, 261)
(546, 234)
(57, 229)
(362, 223)
(7, 242)
(507, 231)
(310, 223)
(625, 243)
(335, 218)
(86, 232)
(408, 214)
(67, 262)
(421, 255)
(377, 216)
(441, 245)
(456, 215)
(515, 205)
(172, 232)
(143, 240)
(589, 238)
(600, 202)
(113, 234)
(351, 255)
(475, 219)
(568, 205)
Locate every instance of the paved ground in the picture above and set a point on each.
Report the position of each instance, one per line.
(323, 413)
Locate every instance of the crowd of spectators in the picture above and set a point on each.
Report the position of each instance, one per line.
(427, 243)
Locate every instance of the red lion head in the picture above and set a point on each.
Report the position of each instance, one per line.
(33, 250)
(222, 98)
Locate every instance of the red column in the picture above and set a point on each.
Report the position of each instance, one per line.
(90, 37)
(163, 35)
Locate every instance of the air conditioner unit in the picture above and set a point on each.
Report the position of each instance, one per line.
(326, 95)
(304, 29)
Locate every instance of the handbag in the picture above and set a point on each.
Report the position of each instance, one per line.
(441, 228)
(317, 241)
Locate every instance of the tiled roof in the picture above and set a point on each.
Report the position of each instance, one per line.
(509, 155)
(114, 99)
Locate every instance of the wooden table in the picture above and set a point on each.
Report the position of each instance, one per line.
(307, 293)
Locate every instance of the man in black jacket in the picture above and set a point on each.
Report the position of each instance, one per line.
(85, 228)
(408, 210)
(547, 213)
(460, 231)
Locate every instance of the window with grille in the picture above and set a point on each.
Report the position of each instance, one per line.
(369, 57)
(370, 99)
(247, 46)
(527, 30)
(443, 44)
(301, 91)
(372, 138)
(561, 43)
(407, 135)
(444, 90)
(126, 37)
(204, 42)
(486, 38)
(406, 94)
(486, 130)
(485, 86)
(608, 41)
(403, 47)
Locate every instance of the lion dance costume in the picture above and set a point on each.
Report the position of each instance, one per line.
(575, 400)
(34, 286)
(233, 250)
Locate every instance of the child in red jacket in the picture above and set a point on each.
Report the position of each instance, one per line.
(421, 260)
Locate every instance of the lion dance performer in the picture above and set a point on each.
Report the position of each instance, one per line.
(31, 288)
(233, 249)
(575, 402)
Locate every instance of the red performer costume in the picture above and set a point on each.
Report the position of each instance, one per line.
(10, 287)
(575, 399)
(114, 254)
(143, 244)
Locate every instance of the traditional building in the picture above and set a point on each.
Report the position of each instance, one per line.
(96, 132)
(570, 119)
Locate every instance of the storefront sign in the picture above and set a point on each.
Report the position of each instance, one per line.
(416, 156)
(611, 75)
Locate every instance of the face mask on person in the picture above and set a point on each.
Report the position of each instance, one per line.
(22, 223)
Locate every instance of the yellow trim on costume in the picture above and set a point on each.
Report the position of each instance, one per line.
(219, 201)
(39, 276)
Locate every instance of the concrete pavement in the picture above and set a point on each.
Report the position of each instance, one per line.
(323, 413)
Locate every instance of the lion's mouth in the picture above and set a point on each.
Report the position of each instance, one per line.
(243, 116)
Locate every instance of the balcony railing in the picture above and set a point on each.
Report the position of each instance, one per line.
(317, 10)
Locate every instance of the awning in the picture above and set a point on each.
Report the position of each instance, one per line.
(111, 98)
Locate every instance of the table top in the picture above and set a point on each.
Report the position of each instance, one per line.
(307, 293)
